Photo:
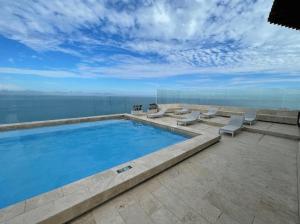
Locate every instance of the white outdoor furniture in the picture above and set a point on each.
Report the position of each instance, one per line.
(189, 119)
(183, 110)
(212, 111)
(235, 124)
(250, 117)
(160, 113)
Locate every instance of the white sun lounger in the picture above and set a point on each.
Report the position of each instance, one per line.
(212, 111)
(235, 124)
(184, 110)
(160, 113)
(250, 117)
(189, 119)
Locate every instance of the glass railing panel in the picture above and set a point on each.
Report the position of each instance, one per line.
(25, 108)
(249, 98)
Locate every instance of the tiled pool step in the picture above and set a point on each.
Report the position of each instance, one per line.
(280, 132)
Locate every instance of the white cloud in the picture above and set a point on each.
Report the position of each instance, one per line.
(243, 81)
(45, 73)
(9, 86)
(187, 37)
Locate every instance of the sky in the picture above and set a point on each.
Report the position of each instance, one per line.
(138, 46)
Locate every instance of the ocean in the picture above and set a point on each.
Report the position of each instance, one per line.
(16, 108)
(25, 108)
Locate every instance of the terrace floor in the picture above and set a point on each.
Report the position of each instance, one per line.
(279, 130)
(249, 179)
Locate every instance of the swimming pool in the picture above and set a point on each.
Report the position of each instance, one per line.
(37, 160)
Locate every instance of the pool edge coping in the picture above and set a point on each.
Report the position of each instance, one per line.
(47, 123)
(69, 201)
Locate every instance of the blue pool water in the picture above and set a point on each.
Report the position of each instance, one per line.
(38, 160)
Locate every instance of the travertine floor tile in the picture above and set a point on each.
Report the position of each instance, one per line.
(251, 178)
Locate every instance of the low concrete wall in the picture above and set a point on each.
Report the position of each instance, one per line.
(35, 124)
(277, 116)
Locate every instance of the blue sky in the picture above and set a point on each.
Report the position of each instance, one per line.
(136, 46)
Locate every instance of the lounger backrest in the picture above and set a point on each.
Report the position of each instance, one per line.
(162, 111)
(236, 120)
(212, 110)
(250, 114)
(185, 106)
(194, 114)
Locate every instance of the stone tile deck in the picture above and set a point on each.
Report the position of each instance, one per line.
(249, 179)
(275, 129)
(69, 201)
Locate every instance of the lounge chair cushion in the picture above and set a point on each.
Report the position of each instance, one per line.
(230, 128)
(235, 123)
(160, 113)
(192, 117)
(211, 112)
